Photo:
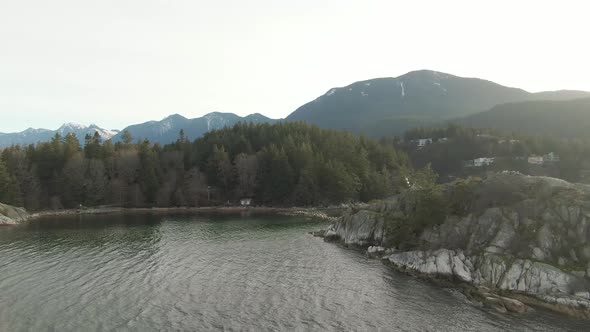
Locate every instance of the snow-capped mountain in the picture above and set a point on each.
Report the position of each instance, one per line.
(33, 136)
(167, 130)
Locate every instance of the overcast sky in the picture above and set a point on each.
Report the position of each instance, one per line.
(119, 62)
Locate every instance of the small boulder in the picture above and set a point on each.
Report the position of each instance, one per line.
(390, 251)
(320, 233)
(331, 236)
(513, 305)
(374, 251)
(584, 295)
(496, 304)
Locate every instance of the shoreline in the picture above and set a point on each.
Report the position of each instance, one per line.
(322, 213)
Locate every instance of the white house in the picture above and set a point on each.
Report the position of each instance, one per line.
(245, 201)
(479, 162)
(536, 160)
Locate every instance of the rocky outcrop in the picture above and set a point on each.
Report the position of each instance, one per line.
(363, 226)
(523, 234)
(10, 215)
(495, 271)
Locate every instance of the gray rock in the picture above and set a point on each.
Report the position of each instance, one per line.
(362, 228)
(583, 295)
(4, 220)
(538, 254)
(573, 255)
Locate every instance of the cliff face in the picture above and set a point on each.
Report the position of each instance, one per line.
(10, 215)
(514, 232)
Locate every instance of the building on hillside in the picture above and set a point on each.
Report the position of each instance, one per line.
(443, 139)
(551, 158)
(422, 142)
(487, 136)
(246, 201)
(536, 160)
(480, 162)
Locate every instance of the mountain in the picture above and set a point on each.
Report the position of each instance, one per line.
(167, 130)
(389, 106)
(557, 118)
(33, 136)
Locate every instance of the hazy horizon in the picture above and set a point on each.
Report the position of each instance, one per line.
(117, 63)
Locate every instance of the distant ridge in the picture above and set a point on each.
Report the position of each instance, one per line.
(556, 118)
(167, 130)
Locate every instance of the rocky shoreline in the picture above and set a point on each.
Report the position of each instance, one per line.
(532, 250)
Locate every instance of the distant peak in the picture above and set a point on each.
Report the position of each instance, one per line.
(175, 117)
(72, 125)
(426, 73)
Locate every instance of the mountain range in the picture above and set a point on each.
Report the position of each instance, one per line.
(379, 107)
(165, 131)
(168, 129)
(33, 136)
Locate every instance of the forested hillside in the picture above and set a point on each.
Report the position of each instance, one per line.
(560, 119)
(280, 164)
(511, 152)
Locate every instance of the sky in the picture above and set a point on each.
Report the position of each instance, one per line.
(121, 62)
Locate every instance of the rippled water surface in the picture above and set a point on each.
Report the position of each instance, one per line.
(180, 272)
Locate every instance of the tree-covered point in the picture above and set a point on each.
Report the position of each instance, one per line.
(280, 164)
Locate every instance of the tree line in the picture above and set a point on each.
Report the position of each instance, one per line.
(280, 164)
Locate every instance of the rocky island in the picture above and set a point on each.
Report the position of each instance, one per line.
(508, 238)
